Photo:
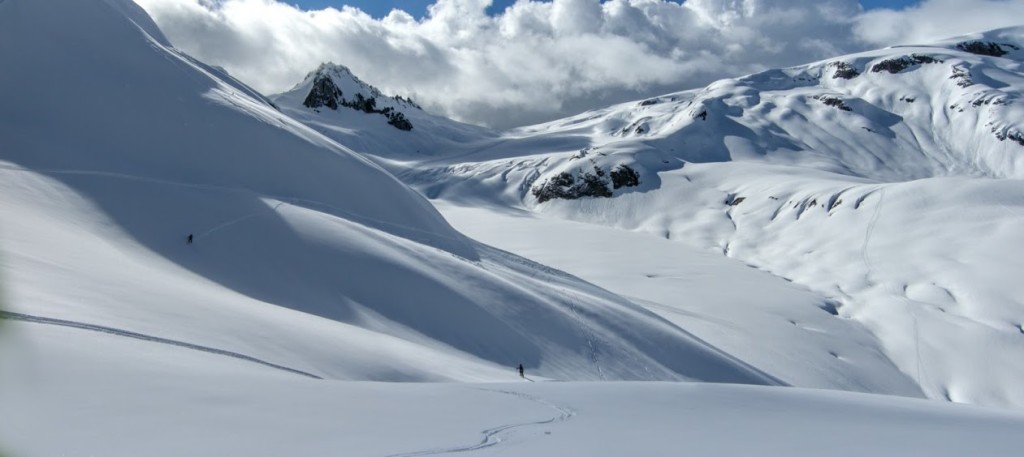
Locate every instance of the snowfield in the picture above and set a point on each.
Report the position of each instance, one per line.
(886, 182)
(191, 267)
(97, 394)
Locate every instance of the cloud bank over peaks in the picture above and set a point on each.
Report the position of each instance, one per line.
(538, 61)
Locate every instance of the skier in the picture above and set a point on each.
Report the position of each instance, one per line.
(521, 375)
(189, 239)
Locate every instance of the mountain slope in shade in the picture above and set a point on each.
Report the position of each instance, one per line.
(116, 147)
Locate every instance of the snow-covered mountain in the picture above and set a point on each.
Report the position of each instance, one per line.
(304, 254)
(897, 114)
(190, 267)
(337, 103)
(885, 181)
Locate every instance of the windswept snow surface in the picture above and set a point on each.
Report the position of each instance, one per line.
(886, 183)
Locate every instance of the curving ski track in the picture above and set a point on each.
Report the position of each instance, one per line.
(870, 231)
(586, 332)
(492, 436)
(7, 315)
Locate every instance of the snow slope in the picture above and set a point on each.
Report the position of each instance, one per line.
(781, 328)
(313, 271)
(885, 181)
(306, 255)
(133, 398)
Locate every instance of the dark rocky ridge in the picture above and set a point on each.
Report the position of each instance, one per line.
(985, 48)
(844, 70)
(586, 184)
(902, 63)
(834, 102)
(323, 93)
(326, 93)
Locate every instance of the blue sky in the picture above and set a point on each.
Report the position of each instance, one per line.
(379, 8)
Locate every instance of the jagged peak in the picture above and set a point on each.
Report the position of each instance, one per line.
(333, 86)
(347, 82)
(340, 75)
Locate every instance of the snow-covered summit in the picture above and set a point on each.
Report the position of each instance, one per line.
(333, 86)
(946, 109)
(336, 102)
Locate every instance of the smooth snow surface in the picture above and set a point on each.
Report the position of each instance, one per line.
(779, 327)
(98, 394)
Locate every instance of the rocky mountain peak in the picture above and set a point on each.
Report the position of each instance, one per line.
(333, 86)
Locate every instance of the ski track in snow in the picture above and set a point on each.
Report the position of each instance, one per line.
(493, 436)
(240, 219)
(7, 315)
(573, 300)
(870, 231)
(586, 332)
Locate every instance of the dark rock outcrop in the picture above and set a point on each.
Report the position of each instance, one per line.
(902, 63)
(962, 76)
(586, 184)
(985, 48)
(734, 200)
(323, 93)
(569, 187)
(397, 119)
(624, 176)
(1011, 135)
(834, 102)
(844, 70)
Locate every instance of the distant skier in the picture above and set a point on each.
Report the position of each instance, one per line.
(521, 375)
(189, 239)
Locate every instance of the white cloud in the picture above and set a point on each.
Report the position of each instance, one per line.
(543, 60)
(936, 19)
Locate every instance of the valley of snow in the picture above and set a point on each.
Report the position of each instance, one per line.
(885, 182)
(190, 267)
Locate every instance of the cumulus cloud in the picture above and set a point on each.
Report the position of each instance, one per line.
(542, 60)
